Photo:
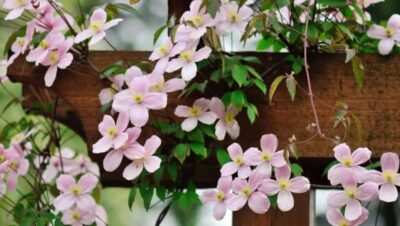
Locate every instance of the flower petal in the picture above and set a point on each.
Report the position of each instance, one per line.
(285, 200)
(259, 203)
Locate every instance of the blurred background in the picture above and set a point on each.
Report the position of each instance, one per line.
(136, 33)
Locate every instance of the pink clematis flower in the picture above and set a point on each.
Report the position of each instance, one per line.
(348, 160)
(97, 27)
(17, 7)
(388, 36)
(284, 187)
(199, 20)
(194, 114)
(143, 158)
(227, 122)
(83, 164)
(231, 17)
(187, 61)
(246, 192)
(78, 217)
(164, 52)
(58, 164)
(55, 59)
(106, 95)
(50, 43)
(138, 99)
(14, 164)
(3, 185)
(3, 71)
(114, 135)
(268, 157)
(388, 179)
(367, 3)
(240, 163)
(352, 195)
(75, 193)
(101, 216)
(158, 83)
(114, 158)
(336, 218)
(52, 21)
(219, 197)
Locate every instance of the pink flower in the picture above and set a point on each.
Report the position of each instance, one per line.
(14, 164)
(83, 164)
(138, 99)
(101, 216)
(194, 114)
(52, 21)
(114, 135)
(219, 197)
(106, 95)
(367, 3)
(58, 164)
(231, 17)
(227, 121)
(246, 192)
(17, 7)
(114, 158)
(268, 157)
(97, 27)
(75, 193)
(199, 20)
(348, 160)
(3, 185)
(240, 163)
(187, 61)
(388, 36)
(78, 217)
(55, 59)
(50, 43)
(164, 52)
(352, 195)
(388, 179)
(158, 83)
(336, 218)
(143, 158)
(284, 187)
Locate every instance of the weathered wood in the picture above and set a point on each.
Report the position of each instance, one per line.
(177, 7)
(377, 103)
(298, 216)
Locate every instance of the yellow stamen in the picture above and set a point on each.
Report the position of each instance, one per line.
(220, 196)
(53, 57)
(138, 98)
(239, 161)
(284, 184)
(96, 26)
(75, 190)
(186, 55)
(351, 192)
(76, 215)
(265, 156)
(43, 44)
(389, 32)
(389, 175)
(229, 118)
(197, 20)
(112, 132)
(347, 162)
(246, 191)
(233, 16)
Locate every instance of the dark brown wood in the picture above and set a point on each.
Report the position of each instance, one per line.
(298, 216)
(177, 7)
(377, 104)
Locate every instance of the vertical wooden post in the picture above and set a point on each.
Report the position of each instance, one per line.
(298, 216)
(177, 7)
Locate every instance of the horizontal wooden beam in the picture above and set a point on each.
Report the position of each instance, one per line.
(376, 104)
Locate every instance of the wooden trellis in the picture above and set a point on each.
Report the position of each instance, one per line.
(376, 104)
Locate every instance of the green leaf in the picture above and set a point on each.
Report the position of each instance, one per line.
(296, 169)
(172, 169)
(350, 53)
(260, 85)
(113, 69)
(358, 70)
(158, 175)
(252, 60)
(253, 72)
(374, 165)
(181, 151)
(274, 86)
(251, 114)
(222, 156)
(265, 43)
(335, 3)
(131, 198)
(146, 191)
(238, 98)
(158, 33)
(240, 74)
(346, 30)
(161, 192)
(291, 86)
(126, 7)
(198, 149)
(196, 135)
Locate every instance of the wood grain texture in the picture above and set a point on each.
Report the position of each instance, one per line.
(298, 216)
(377, 104)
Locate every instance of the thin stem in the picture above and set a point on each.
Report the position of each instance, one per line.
(310, 92)
(377, 213)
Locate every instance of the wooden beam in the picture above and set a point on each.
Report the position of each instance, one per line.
(376, 104)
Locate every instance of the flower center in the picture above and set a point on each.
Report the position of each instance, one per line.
(158, 87)
(186, 55)
(138, 97)
(197, 20)
(112, 131)
(389, 175)
(17, 138)
(265, 156)
(76, 216)
(284, 184)
(229, 118)
(163, 49)
(96, 26)
(233, 16)
(2, 158)
(347, 162)
(389, 32)
(195, 111)
(246, 191)
(13, 164)
(344, 223)
(220, 196)
(53, 57)
(75, 190)
(351, 192)
(21, 42)
(43, 44)
(239, 161)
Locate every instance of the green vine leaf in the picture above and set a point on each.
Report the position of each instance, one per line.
(240, 74)
(198, 149)
(291, 86)
(181, 151)
(147, 192)
(222, 156)
(274, 86)
(358, 70)
(132, 196)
